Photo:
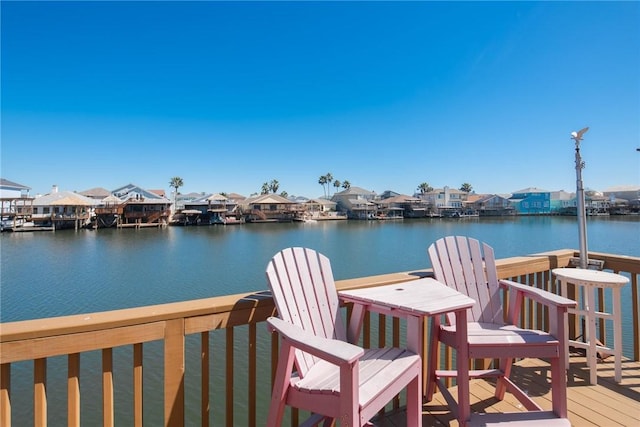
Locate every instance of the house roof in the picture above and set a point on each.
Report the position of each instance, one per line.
(14, 185)
(619, 188)
(96, 193)
(268, 199)
(355, 190)
(130, 191)
(235, 196)
(217, 198)
(450, 190)
(111, 199)
(64, 198)
(160, 193)
(320, 201)
(476, 197)
(531, 190)
(401, 198)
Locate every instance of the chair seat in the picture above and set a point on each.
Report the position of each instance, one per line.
(489, 340)
(379, 372)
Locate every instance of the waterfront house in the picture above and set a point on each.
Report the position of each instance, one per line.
(269, 208)
(15, 204)
(13, 190)
(108, 211)
(208, 209)
(630, 193)
(401, 205)
(562, 203)
(62, 209)
(181, 200)
(319, 208)
(446, 200)
(142, 207)
(624, 193)
(356, 203)
(489, 205)
(531, 201)
(596, 203)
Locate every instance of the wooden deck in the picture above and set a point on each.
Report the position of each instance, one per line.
(607, 404)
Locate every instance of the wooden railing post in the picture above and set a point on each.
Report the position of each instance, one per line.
(107, 388)
(137, 385)
(40, 392)
(174, 373)
(73, 390)
(5, 394)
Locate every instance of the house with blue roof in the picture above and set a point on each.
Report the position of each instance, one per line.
(531, 201)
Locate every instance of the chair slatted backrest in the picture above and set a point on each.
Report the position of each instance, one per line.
(458, 262)
(304, 291)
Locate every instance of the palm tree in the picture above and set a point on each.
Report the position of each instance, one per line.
(175, 183)
(265, 188)
(346, 184)
(274, 185)
(466, 187)
(337, 184)
(329, 180)
(323, 181)
(424, 188)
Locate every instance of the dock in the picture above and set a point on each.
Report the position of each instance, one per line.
(142, 225)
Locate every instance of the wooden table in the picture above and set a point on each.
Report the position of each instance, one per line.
(413, 301)
(589, 280)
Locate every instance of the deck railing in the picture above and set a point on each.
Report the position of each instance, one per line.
(200, 361)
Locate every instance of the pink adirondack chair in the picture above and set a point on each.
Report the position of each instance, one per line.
(333, 379)
(459, 263)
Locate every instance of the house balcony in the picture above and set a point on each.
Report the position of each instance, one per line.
(212, 361)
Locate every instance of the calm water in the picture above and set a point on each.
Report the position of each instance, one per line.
(47, 274)
(66, 272)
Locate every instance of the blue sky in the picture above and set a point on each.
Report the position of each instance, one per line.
(386, 95)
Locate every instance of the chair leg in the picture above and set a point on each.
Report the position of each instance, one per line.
(559, 387)
(280, 386)
(501, 384)
(414, 401)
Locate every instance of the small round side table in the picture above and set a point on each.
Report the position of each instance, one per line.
(589, 280)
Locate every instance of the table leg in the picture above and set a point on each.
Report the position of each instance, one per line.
(415, 340)
(355, 324)
(563, 292)
(617, 334)
(462, 365)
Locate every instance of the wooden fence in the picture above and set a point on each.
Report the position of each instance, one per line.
(200, 361)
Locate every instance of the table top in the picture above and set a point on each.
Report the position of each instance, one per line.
(593, 277)
(424, 297)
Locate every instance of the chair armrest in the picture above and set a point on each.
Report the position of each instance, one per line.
(334, 351)
(539, 295)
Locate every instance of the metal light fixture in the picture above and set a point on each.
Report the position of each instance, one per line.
(581, 212)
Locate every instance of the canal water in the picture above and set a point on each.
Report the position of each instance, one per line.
(45, 274)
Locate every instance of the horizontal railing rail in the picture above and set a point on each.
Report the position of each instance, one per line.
(200, 361)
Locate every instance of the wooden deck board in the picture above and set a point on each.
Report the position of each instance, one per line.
(605, 404)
